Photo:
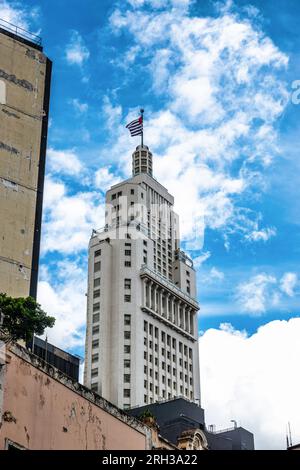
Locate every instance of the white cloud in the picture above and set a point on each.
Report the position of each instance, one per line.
(78, 106)
(197, 135)
(64, 162)
(104, 179)
(76, 51)
(288, 283)
(215, 274)
(199, 260)
(261, 235)
(253, 295)
(259, 384)
(17, 15)
(69, 219)
(263, 291)
(64, 298)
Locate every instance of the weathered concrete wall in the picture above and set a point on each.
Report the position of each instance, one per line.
(43, 409)
(22, 88)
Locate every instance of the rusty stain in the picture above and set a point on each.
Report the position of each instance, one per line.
(42, 400)
(27, 436)
(9, 417)
(8, 148)
(17, 81)
(10, 114)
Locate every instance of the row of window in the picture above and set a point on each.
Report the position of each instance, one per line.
(150, 329)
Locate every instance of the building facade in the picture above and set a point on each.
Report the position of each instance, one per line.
(25, 74)
(43, 409)
(141, 338)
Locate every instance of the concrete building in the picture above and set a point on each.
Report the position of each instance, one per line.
(57, 357)
(182, 423)
(43, 409)
(141, 339)
(25, 74)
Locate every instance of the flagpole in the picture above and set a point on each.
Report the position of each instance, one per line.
(142, 134)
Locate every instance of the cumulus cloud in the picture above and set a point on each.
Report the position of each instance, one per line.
(76, 51)
(104, 179)
(69, 219)
(64, 162)
(64, 298)
(259, 386)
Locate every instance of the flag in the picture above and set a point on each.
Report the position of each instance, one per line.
(136, 127)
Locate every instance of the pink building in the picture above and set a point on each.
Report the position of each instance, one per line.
(41, 408)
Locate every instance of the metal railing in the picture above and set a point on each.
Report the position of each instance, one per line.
(21, 32)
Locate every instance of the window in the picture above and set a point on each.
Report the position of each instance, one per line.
(145, 355)
(145, 326)
(126, 363)
(127, 283)
(113, 196)
(96, 307)
(163, 351)
(144, 242)
(95, 343)
(188, 290)
(174, 343)
(126, 392)
(163, 336)
(145, 369)
(95, 357)
(128, 236)
(145, 260)
(94, 373)
(97, 282)
(132, 191)
(127, 264)
(97, 266)
(190, 353)
(127, 378)
(174, 371)
(126, 349)
(127, 252)
(128, 244)
(127, 334)
(94, 387)
(145, 384)
(95, 330)
(96, 317)
(119, 193)
(127, 298)
(97, 253)
(127, 320)
(96, 294)
(151, 329)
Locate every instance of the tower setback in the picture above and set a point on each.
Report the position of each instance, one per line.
(141, 337)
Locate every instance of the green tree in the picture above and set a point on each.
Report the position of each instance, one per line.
(21, 318)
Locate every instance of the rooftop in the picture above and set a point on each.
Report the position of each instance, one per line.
(18, 33)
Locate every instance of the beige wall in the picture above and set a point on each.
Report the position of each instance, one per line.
(22, 79)
(42, 411)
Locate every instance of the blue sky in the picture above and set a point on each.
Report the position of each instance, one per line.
(215, 79)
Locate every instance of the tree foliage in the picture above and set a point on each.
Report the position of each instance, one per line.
(21, 318)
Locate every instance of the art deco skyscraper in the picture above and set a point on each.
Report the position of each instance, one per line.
(141, 339)
(25, 74)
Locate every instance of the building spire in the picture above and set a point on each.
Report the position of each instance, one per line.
(142, 133)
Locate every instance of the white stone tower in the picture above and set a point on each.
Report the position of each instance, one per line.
(141, 338)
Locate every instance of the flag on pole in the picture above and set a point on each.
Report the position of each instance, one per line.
(136, 127)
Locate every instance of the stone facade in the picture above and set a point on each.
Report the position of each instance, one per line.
(141, 343)
(24, 103)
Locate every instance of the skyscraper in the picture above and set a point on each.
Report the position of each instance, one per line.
(25, 74)
(141, 339)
